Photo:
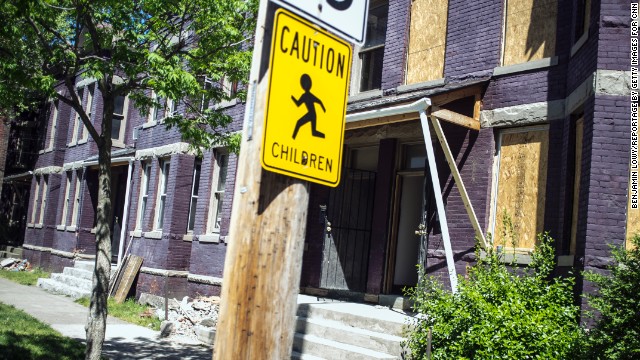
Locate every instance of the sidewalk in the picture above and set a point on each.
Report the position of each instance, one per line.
(122, 341)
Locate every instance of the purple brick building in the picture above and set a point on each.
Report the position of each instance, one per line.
(542, 86)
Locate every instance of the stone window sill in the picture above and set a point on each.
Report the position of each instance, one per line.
(117, 143)
(149, 124)
(365, 95)
(61, 227)
(30, 225)
(225, 104)
(71, 228)
(83, 141)
(38, 226)
(135, 233)
(187, 237)
(209, 238)
(527, 66)
(153, 235)
(421, 85)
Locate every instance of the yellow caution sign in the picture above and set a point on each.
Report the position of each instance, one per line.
(306, 101)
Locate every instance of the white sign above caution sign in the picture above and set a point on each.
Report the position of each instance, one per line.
(348, 18)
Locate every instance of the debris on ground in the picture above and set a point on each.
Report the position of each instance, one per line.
(191, 320)
(15, 265)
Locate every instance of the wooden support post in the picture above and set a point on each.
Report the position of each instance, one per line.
(264, 255)
(460, 185)
(437, 192)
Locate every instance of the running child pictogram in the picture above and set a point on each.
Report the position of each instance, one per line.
(309, 100)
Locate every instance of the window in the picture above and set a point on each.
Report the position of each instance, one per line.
(119, 120)
(76, 121)
(583, 15)
(154, 112)
(54, 122)
(88, 109)
(65, 205)
(144, 195)
(529, 30)
(217, 193)
(520, 186)
(229, 88)
(162, 195)
(372, 52)
(43, 203)
(76, 200)
(170, 108)
(194, 195)
(577, 171)
(34, 208)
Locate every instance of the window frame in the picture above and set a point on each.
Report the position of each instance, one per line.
(143, 197)
(216, 198)
(43, 198)
(119, 142)
(356, 85)
(54, 124)
(35, 205)
(65, 205)
(195, 184)
(161, 194)
(76, 201)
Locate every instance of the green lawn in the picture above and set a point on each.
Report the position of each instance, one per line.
(24, 337)
(24, 277)
(130, 311)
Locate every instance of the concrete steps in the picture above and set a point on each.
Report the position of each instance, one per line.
(11, 252)
(74, 282)
(327, 329)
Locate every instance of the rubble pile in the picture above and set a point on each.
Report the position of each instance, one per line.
(15, 265)
(191, 320)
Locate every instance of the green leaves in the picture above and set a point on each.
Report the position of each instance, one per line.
(499, 312)
(616, 334)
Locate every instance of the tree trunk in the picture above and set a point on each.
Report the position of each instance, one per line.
(97, 319)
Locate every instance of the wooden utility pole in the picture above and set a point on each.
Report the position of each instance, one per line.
(264, 255)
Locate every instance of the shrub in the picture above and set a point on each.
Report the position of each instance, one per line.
(500, 311)
(616, 334)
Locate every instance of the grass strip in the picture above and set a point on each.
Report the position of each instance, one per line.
(130, 311)
(24, 337)
(24, 277)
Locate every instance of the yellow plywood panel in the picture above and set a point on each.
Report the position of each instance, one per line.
(530, 30)
(427, 37)
(522, 180)
(633, 208)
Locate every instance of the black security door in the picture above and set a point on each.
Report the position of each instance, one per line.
(347, 232)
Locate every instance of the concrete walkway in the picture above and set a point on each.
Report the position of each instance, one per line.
(122, 341)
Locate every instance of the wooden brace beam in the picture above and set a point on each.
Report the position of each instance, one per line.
(456, 176)
(454, 117)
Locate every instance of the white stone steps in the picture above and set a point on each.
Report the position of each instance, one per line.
(80, 283)
(78, 273)
(334, 350)
(338, 331)
(56, 287)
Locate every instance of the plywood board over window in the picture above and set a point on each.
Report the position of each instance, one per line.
(530, 30)
(427, 37)
(521, 183)
(633, 215)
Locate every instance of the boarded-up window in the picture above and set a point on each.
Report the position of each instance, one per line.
(576, 185)
(427, 37)
(530, 30)
(521, 183)
(633, 215)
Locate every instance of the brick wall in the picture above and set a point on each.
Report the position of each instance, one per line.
(474, 33)
(395, 44)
